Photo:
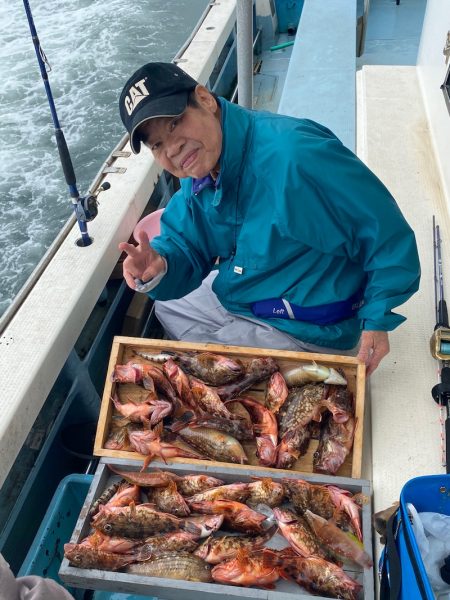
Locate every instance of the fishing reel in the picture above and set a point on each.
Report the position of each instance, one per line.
(87, 207)
(440, 343)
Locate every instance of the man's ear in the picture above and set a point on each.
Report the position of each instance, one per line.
(205, 98)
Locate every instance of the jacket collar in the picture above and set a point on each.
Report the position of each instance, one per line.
(237, 127)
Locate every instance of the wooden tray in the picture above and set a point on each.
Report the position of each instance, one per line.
(122, 352)
(172, 589)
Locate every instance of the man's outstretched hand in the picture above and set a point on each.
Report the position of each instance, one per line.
(374, 347)
(142, 261)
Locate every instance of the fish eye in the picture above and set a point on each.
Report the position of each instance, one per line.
(107, 527)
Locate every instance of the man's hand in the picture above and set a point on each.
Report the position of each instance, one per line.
(142, 261)
(374, 347)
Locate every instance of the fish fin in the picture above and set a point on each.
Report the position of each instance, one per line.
(142, 554)
(148, 459)
(335, 378)
(173, 476)
(172, 487)
(158, 429)
(162, 457)
(132, 507)
(146, 422)
(148, 383)
(242, 557)
(270, 558)
(340, 490)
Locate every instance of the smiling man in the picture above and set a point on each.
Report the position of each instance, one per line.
(312, 252)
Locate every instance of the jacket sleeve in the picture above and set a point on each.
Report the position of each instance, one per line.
(183, 246)
(346, 210)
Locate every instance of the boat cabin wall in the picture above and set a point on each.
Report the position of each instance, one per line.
(433, 69)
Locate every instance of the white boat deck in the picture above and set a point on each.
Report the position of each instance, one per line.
(395, 140)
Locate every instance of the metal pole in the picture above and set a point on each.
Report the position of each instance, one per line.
(64, 154)
(244, 13)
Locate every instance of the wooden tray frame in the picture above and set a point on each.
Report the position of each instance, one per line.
(353, 368)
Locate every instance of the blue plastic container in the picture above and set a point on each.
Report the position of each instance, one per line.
(47, 550)
(288, 12)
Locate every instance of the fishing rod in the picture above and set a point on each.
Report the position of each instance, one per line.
(440, 346)
(85, 208)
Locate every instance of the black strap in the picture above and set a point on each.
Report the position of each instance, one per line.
(415, 566)
(390, 585)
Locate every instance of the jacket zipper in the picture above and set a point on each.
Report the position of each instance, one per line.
(233, 252)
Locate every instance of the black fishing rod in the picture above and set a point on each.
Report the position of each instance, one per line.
(440, 343)
(85, 208)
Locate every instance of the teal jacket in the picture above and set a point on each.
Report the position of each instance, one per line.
(295, 215)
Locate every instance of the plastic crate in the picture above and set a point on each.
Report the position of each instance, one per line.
(47, 550)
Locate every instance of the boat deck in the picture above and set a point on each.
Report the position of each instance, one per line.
(392, 135)
(396, 142)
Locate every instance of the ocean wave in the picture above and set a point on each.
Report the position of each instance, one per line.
(93, 47)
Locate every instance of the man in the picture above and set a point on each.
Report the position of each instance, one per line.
(311, 250)
(31, 587)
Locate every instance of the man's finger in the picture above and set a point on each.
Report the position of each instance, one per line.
(142, 238)
(128, 248)
(372, 365)
(365, 352)
(129, 279)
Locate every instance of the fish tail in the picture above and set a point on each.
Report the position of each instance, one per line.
(180, 423)
(192, 528)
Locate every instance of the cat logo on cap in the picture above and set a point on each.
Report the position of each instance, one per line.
(136, 94)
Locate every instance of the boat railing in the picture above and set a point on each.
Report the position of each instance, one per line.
(320, 82)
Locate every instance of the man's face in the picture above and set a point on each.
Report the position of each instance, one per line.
(190, 144)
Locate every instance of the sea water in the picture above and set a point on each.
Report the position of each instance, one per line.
(93, 47)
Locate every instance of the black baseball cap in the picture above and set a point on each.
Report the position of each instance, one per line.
(156, 90)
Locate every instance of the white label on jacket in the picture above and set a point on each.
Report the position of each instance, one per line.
(238, 270)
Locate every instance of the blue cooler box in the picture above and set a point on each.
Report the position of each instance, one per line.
(46, 552)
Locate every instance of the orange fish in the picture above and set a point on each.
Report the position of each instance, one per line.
(248, 569)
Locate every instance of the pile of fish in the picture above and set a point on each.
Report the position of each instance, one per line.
(197, 405)
(198, 528)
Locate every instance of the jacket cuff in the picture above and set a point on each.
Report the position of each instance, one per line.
(386, 323)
